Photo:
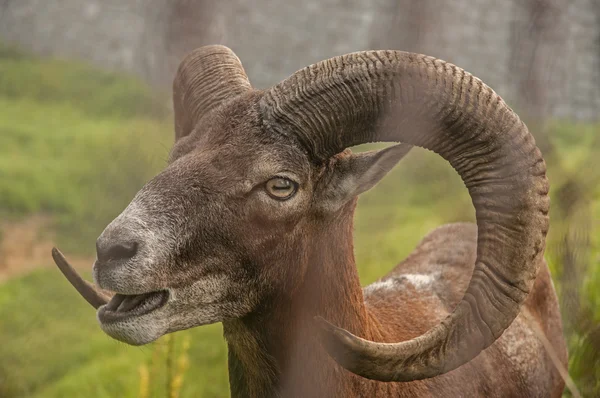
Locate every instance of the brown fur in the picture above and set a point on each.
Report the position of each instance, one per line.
(282, 340)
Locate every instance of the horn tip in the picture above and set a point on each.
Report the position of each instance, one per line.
(58, 257)
(324, 325)
(330, 328)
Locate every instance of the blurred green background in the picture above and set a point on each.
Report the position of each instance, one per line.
(76, 143)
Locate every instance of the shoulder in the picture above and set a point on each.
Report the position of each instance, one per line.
(441, 265)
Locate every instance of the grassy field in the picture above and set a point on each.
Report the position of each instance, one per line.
(77, 143)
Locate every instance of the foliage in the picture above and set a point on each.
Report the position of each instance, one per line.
(73, 145)
(56, 349)
(164, 374)
(95, 92)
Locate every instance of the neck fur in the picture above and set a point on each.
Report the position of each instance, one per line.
(276, 352)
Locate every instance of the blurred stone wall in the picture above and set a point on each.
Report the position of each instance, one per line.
(541, 55)
(109, 33)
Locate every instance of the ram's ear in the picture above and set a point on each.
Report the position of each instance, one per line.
(356, 173)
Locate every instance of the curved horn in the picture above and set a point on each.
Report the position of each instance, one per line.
(397, 96)
(206, 78)
(88, 291)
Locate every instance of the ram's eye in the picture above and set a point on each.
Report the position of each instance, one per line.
(281, 188)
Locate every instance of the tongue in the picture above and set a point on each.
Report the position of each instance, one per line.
(115, 302)
(130, 302)
(124, 303)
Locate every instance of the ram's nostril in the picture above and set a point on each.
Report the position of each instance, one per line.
(116, 251)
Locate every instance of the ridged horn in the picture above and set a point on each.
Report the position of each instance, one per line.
(206, 78)
(411, 98)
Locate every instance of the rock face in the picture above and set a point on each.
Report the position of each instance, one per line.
(541, 55)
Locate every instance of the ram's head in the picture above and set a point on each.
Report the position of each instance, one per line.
(225, 225)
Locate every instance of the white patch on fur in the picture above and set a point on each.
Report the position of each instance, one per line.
(387, 284)
(418, 281)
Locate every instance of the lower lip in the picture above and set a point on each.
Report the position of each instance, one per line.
(153, 302)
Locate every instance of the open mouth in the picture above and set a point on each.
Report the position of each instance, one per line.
(122, 306)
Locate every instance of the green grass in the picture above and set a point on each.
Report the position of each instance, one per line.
(77, 143)
(55, 348)
(95, 92)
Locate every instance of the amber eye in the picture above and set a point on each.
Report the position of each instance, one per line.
(281, 188)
